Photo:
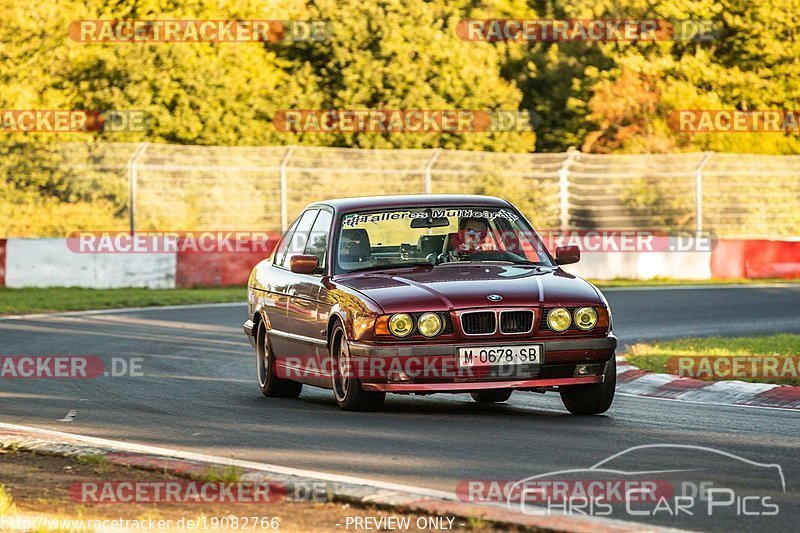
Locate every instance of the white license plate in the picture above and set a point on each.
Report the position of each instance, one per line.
(525, 354)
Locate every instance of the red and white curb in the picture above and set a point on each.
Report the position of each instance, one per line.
(340, 488)
(636, 382)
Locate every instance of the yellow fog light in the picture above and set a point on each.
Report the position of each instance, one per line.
(401, 325)
(586, 318)
(559, 319)
(429, 324)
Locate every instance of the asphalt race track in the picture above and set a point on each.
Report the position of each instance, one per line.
(199, 393)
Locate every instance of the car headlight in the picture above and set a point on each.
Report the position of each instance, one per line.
(585, 318)
(559, 319)
(401, 325)
(429, 324)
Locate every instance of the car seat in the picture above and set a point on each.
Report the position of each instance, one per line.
(360, 250)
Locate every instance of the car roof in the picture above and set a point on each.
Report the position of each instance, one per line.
(344, 205)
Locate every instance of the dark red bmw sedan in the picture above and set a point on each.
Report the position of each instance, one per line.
(422, 295)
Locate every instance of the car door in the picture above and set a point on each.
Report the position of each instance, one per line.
(273, 299)
(282, 285)
(306, 326)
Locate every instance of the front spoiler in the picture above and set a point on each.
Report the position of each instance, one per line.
(476, 386)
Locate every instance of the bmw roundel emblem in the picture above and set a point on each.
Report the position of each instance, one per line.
(494, 297)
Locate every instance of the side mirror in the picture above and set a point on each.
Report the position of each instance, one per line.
(303, 264)
(566, 255)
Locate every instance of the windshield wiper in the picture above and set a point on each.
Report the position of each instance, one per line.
(528, 262)
(392, 266)
(539, 267)
(496, 261)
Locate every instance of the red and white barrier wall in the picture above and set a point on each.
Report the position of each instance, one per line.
(643, 265)
(756, 258)
(51, 263)
(216, 269)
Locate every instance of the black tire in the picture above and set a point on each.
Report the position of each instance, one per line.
(346, 388)
(492, 396)
(271, 385)
(595, 398)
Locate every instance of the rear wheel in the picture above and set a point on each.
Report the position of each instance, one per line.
(268, 381)
(492, 396)
(595, 398)
(346, 387)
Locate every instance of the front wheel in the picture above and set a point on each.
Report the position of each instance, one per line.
(346, 386)
(492, 396)
(595, 398)
(271, 384)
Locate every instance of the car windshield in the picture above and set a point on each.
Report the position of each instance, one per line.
(374, 240)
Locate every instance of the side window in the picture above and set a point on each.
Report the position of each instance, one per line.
(299, 239)
(318, 239)
(280, 251)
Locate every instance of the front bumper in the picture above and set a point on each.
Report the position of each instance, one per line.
(248, 330)
(427, 368)
(568, 350)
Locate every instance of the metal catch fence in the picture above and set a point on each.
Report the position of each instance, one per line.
(160, 187)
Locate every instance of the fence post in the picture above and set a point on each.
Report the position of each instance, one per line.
(563, 181)
(428, 169)
(133, 176)
(698, 192)
(284, 192)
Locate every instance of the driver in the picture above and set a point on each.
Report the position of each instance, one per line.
(471, 237)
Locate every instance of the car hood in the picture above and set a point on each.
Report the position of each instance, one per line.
(469, 286)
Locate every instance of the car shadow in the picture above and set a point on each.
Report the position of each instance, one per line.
(435, 406)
